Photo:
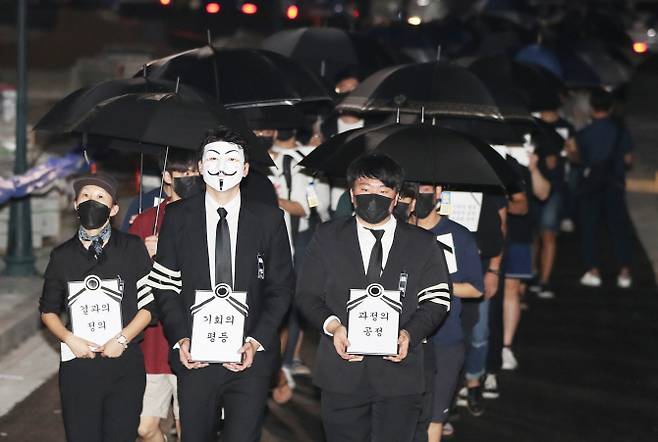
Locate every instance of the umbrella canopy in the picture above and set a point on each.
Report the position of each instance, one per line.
(242, 77)
(524, 87)
(543, 56)
(328, 51)
(67, 112)
(428, 154)
(583, 67)
(437, 88)
(163, 119)
(325, 51)
(509, 100)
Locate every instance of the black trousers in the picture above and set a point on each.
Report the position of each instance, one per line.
(102, 397)
(201, 394)
(364, 416)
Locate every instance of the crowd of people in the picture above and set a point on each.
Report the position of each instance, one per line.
(461, 263)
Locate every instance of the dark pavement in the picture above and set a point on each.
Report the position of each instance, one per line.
(587, 372)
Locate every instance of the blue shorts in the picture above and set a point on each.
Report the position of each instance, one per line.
(518, 260)
(547, 213)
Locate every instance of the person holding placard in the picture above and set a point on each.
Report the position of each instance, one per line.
(223, 280)
(99, 276)
(364, 277)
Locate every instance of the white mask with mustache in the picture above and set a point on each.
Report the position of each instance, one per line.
(223, 165)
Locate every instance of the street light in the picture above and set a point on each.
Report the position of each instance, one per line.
(20, 258)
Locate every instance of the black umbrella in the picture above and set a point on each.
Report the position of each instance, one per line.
(508, 98)
(242, 77)
(68, 111)
(428, 154)
(518, 85)
(271, 117)
(325, 51)
(164, 119)
(437, 88)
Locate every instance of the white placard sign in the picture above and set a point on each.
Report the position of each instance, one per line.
(218, 321)
(95, 310)
(448, 246)
(373, 321)
(465, 208)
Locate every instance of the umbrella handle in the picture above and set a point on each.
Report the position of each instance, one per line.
(141, 183)
(157, 210)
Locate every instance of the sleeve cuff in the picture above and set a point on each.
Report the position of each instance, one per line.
(260, 347)
(327, 321)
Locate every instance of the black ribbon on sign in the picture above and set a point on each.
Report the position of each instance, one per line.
(376, 291)
(93, 283)
(222, 291)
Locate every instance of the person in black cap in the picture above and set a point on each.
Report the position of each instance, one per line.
(99, 276)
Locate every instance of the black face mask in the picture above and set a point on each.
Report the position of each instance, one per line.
(266, 142)
(93, 214)
(401, 211)
(188, 186)
(424, 205)
(372, 207)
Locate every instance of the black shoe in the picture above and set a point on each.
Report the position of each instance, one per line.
(475, 401)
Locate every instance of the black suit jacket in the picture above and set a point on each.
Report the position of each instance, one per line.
(182, 262)
(333, 265)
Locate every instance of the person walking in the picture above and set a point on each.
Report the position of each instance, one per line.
(372, 397)
(101, 383)
(605, 148)
(181, 174)
(216, 240)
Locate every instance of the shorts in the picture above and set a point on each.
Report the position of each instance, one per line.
(547, 213)
(449, 362)
(518, 260)
(160, 388)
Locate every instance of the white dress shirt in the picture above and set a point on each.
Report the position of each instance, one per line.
(366, 243)
(212, 218)
(302, 184)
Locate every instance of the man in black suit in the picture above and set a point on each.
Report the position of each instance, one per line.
(372, 397)
(219, 237)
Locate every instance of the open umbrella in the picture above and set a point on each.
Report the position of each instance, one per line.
(435, 88)
(533, 85)
(163, 119)
(242, 77)
(325, 51)
(68, 111)
(427, 154)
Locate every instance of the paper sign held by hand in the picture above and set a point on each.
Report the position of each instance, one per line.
(465, 209)
(218, 323)
(95, 310)
(373, 321)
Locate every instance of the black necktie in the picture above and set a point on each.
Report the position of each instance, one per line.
(376, 255)
(223, 267)
(287, 172)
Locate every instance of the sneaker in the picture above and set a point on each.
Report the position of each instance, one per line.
(567, 225)
(509, 360)
(624, 281)
(590, 279)
(462, 397)
(475, 403)
(299, 369)
(490, 387)
(545, 292)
